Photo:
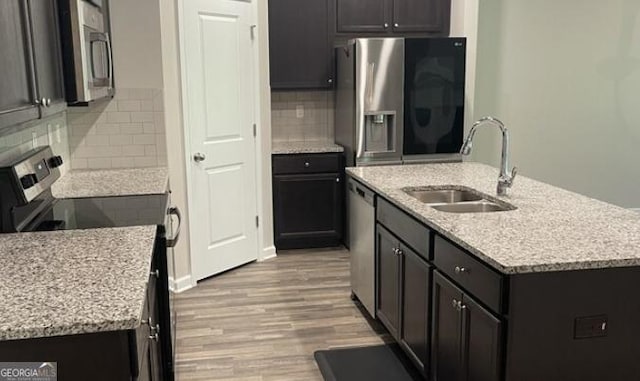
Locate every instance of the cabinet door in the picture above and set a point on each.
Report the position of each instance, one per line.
(446, 344)
(300, 49)
(421, 16)
(307, 210)
(357, 16)
(416, 292)
(388, 277)
(47, 54)
(482, 342)
(17, 90)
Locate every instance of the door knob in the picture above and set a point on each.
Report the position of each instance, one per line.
(198, 157)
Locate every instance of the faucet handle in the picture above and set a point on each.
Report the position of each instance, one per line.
(514, 172)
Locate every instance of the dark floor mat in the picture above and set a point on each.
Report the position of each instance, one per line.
(376, 363)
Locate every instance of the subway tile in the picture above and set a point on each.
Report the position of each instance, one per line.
(149, 128)
(78, 163)
(144, 139)
(146, 161)
(107, 129)
(132, 128)
(163, 161)
(146, 105)
(129, 105)
(118, 117)
(142, 116)
(122, 162)
(97, 140)
(150, 150)
(99, 163)
(133, 150)
(120, 140)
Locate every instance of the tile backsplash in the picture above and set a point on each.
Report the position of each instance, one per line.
(51, 131)
(127, 131)
(302, 115)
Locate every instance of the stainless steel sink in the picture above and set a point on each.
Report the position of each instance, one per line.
(440, 196)
(458, 200)
(471, 207)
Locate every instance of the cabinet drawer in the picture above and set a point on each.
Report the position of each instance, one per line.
(308, 163)
(412, 232)
(477, 278)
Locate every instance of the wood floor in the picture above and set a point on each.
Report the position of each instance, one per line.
(264, 321)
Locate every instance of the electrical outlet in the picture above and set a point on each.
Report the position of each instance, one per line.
(299, 111)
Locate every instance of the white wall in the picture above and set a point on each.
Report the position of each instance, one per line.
(137, 48)
(565, 77)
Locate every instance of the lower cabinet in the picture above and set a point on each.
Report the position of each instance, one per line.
(467, 339)
(404, 284)
(308, 195)
(388, 276)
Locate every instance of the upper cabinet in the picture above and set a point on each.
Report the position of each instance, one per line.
(47, 53)
(31, 75)
(17, 94)
(362, 16)
(300, 45)
(393, 17)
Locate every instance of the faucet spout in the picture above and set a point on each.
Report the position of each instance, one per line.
(506, 177)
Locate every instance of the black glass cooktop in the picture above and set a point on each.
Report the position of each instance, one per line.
(102, 212)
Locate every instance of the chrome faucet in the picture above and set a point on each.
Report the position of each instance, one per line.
(505, 180)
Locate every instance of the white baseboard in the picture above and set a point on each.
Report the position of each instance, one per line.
(268, 253)
(180, 284)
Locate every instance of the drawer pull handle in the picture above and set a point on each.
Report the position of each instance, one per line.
(460, 270)
(154, 337)
(457, 304)
(155, 273)
(307, 164)
(454, 303)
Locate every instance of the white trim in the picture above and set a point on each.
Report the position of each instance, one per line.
(187, 133)
(181, 284)
(268, 253)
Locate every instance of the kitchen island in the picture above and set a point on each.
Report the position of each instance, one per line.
(544, 291)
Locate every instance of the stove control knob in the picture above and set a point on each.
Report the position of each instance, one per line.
(55, 162)
(28, 180)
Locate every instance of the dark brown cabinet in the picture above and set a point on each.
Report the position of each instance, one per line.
(395, 17)
(300, 44)
(45, 34)
(17, 93)
(467, 339)
(308, 195)
(31, 62)
(416, 312)
(388, 276)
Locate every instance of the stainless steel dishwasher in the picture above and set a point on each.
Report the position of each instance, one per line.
(362, 215)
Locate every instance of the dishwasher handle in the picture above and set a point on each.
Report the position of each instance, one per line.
(358, 190)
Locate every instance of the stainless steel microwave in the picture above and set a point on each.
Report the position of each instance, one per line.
(86, 47)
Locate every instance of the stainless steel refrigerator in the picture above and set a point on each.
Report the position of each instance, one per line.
(400, 100)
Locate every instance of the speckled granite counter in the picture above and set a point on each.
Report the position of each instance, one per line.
(112, 182)
(552, 229)
(76, 281)
(292, 148)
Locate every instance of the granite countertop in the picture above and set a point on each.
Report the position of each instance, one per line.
(112, 182)
(552, 229)
(76, 281)
(291, 148)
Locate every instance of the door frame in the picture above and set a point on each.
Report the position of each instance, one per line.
(259, 164)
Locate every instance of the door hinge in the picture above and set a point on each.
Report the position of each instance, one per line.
(253, 31)
(257, 221)
(255, 130)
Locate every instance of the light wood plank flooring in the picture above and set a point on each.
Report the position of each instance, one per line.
(263, 321)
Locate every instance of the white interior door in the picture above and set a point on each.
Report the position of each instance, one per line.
(219, 87)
